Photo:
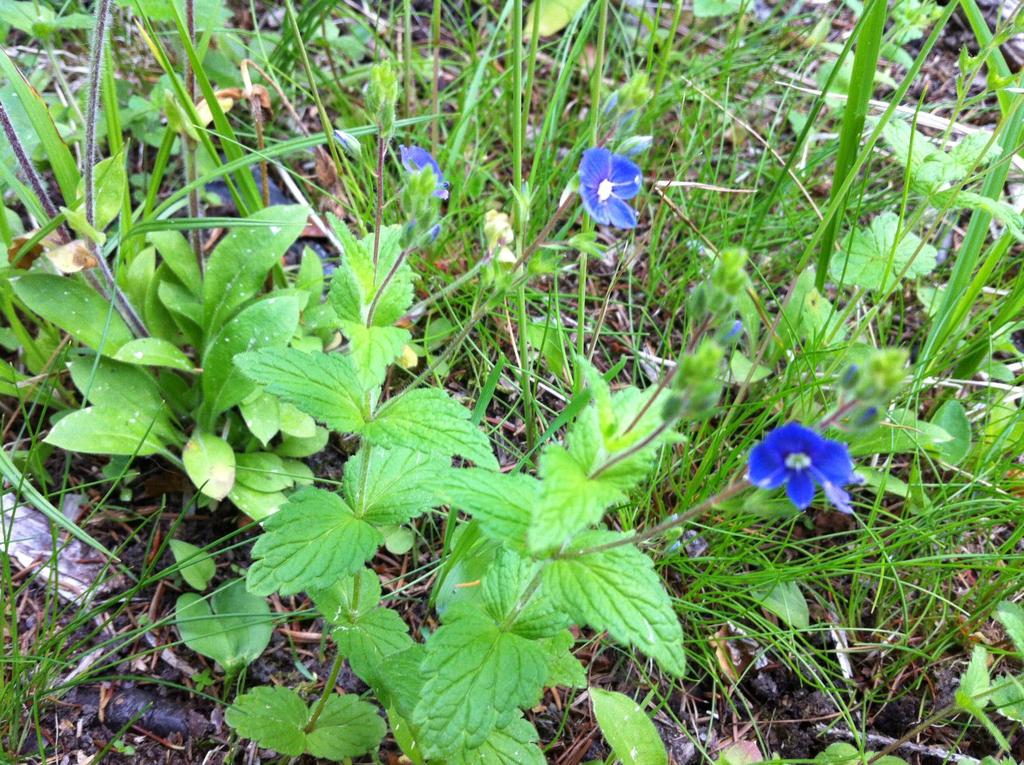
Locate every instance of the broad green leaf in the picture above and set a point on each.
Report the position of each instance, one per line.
(512, 744)
(373, 349)
(1011, 616)
(268, 323)
(239, 264)
(703, 9)
(262, 471)
(74, 307)
(309, 543)
(262, 415)
(391, 486)
(398, 540)
(502, 587)
(278, 719)
(1002, 211)
(902, 432)
(105, 430)
(477, 679)
(809, 315)
(111, 183)
(355, 281)
(210, 463)
(1008, 697)
(292, 446)
(875, 257)
(325, 386)
(952, 418)
(258, 505)
(555, 16)
(154, 352)
(196, 567)
(619, 591)
(365, 633)
(180, 259)
(428, 420)
(232, 627)
(501, 502)
(786, 601)
(629, 731)
(296, 423)
(130, 389)
(563, 667)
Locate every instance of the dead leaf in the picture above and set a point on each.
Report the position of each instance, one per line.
(72, 257)
(48, 242)
(224, 100)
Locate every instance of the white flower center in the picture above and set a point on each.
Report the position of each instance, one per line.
(798, 461)
(604, 190)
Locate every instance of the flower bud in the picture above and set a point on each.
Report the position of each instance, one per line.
(883, 372)
(497, 230)
(696, 382)
(381, 95)
(730, 274)
(348, 143)
(636, 144)
(850, 377)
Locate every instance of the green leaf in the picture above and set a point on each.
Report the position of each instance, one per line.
(74, 307)
(629, 731)
(555, 16)
(809, 314)
(365, 633)
(179, 257)
(1011, 616)
(258, 505)
(268, 323)
(239, 264)
(292, 446)
(262, 471)
(391, 486)
(618, 590)
(952, 418)
(277, 718)
(504, 584)
(563, 667)
(325, 386)
(373, 349)
(210, 463)
(262, 415)
(501, 502)
(428, 420)
(309, 543)
(876, 256)
(974, 683)
(477, 678)
(127, 388)
(703, 9)
(903, 432)
(233, 627)
(111, 184)
(1008, 697)
(786, 601)
(154, 352)
(355, 281)
(105, 430)
(512, 744)
(196, 567)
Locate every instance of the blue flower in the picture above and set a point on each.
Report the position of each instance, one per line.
(800, 458)
(606, 180)
(415, 159)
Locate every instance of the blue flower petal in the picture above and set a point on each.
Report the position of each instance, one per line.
(800, 488)
(626, 177)
(839, 498)
(766, 469)
(595, 167)
(597, 209)
(620, 214)
(794, 437)
(832, 460)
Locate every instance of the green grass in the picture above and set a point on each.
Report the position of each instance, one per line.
(904, 590)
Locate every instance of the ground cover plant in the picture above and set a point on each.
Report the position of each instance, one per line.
(567, 381)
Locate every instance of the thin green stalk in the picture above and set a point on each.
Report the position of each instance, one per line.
(189, 145)
(865, 64)
(435, 85)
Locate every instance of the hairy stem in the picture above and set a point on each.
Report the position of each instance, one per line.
(191, 168)
(34, 179)
(328, 687)
(378, 221)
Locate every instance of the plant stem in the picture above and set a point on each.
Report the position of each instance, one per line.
(96, 60)
(379, 214)
(191, 167)
(328, 688)
(383, 285)
(34, 179)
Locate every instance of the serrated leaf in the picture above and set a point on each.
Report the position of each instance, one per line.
(309, 543)
(154, 352)
(873, 257)
(563, 667)
(277, 718)
(500, 502)
(232, 627)
(74, 307)
(786, 601)
(974, 683)
(618, 590)
(210, 463)
(392, 486)
(373, 349)
(512, 744)
(1008, 697)
(428, 420)
(236, 269)
(196, 567)
(324, 386)
(504, 584)
(629, 731)
(477, 678)
(268, 323)
(355, 281)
